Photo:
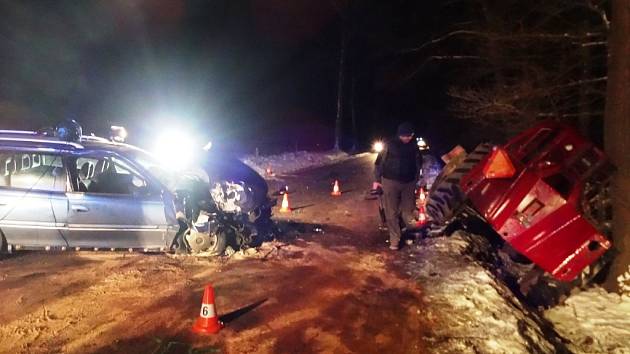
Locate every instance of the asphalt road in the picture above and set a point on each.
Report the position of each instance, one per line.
(336, 291)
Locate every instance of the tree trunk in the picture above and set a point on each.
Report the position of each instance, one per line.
(617, 127)
(340, 86)
(355, 129)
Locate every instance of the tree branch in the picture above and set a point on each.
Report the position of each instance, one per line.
(594, 44)
(601, 12)
(504, 37)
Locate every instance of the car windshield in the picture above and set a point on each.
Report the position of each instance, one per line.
(172, 179)
(151, 164)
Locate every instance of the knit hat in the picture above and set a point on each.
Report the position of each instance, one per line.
(405, 129)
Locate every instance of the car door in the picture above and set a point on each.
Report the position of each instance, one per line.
(112, 206)
(33, 203)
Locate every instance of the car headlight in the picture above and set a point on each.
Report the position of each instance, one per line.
(378, 146)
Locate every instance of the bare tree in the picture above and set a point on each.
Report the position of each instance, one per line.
(518, 62)
(340, 89)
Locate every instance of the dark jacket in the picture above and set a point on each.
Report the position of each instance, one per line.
(399, 162)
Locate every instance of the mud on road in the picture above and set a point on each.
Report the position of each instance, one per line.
(336, 291)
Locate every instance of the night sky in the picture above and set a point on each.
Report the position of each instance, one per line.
(257, 73)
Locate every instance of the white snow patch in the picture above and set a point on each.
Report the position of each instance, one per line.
(595, 321)
(289, 162)
(470, 310)
(624, 282)
(473, 312)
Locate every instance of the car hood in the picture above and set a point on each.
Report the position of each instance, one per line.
(220, 167)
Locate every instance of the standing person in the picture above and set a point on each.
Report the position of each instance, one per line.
(396, 172)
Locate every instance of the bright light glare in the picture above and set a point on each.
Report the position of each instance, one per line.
(208, 146)
(422, 144)
(378, 146)
(175, 149)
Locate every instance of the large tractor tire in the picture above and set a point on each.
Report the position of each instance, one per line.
(446, 196)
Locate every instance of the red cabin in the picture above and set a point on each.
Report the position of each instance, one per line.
(532, 191)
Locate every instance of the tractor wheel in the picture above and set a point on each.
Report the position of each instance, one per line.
(445, 196)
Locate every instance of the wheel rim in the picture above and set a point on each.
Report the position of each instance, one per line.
(203, 242)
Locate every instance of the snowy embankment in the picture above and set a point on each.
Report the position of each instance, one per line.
(294, 161)
(470, 311)
(473, 312)
(594, 321)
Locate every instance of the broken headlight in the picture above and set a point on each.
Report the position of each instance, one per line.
(233, 197)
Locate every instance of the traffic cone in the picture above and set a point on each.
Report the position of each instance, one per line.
(207, 322)
(284, 208)
(422, 216)
(336, 192)
(422, 197)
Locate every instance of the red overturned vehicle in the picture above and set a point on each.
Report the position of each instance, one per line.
(544, 194)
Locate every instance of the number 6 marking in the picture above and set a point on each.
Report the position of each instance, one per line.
(207, 311)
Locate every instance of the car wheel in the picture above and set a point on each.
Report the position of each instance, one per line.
(446, 196)
(213, 243)
(218, 243)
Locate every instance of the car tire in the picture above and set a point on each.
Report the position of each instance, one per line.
(211, 243)
(218, 244)
(446, 196)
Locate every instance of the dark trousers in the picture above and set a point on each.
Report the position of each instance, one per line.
(399, 202)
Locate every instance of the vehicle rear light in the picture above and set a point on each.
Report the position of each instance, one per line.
(499, 165)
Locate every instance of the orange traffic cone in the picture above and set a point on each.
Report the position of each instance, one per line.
(336, 192)
(422, 216)
(207, 322)
(422, 197)
(284, 208)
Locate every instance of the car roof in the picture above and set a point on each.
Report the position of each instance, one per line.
(26, 139)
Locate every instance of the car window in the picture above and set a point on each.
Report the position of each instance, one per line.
(154, 167)
(107, 175)
(537, 145)
(33, 171)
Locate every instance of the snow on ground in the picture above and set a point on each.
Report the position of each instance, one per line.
(471, 311)
(594, 321)
(289, 162)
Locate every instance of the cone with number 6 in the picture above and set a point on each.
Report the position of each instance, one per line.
(208, 321)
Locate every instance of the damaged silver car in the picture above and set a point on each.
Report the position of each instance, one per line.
(60, 190)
